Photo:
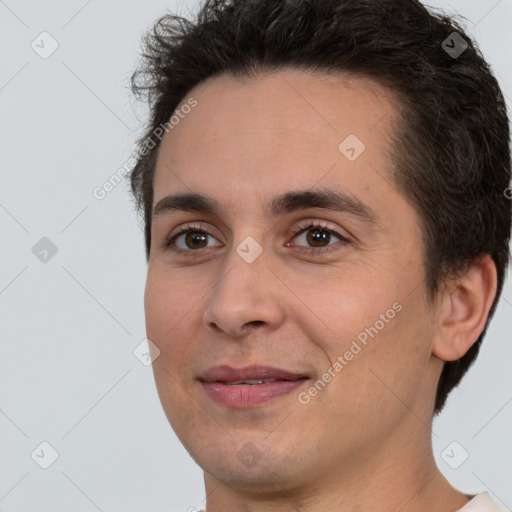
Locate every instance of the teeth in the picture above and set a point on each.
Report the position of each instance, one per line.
(243, 382)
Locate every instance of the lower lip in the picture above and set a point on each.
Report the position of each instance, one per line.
(250, 395)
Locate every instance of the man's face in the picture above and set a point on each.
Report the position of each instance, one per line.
(295, 287)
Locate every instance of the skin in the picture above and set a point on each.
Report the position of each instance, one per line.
(365, 438)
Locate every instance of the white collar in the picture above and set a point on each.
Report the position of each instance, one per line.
(481, 503)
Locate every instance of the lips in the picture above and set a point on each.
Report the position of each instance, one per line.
(250, 387)
(228, 375)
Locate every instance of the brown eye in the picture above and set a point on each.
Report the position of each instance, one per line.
(190, 239)
(318, 237)
(196, 240)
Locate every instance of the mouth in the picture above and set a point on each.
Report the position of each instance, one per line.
(254, 374)
(250, 382)
(249, 387)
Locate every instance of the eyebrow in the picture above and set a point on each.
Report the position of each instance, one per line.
(285, 203)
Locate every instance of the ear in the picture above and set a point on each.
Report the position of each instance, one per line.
(464, 309)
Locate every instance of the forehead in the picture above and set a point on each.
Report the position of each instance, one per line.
(287, 129)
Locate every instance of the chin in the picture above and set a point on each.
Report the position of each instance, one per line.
(252, 467)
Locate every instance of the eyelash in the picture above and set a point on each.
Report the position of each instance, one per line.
(309, 226)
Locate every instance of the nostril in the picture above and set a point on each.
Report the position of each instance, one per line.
(255, 322)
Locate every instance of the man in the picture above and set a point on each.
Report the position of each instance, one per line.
(327, 225)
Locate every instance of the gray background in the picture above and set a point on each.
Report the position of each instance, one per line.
(68, 374)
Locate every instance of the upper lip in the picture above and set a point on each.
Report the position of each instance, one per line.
(224, 373)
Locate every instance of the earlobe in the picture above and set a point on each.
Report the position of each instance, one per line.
(464, 310)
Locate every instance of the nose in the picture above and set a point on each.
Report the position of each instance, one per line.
(248, 296)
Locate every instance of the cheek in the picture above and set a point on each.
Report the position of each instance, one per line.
(375, 324)
(387, 374)
(337, 307)
(169, 312)
(164, 296)
(169, 308)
